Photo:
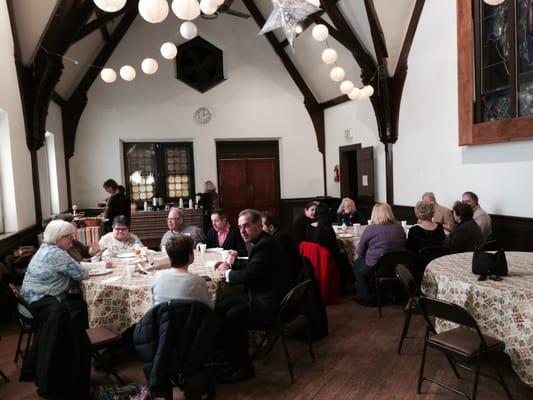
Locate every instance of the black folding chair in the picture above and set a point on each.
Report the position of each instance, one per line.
(465, 344)
(409, 283)
(385, 267)
(27, 322)
(2, 372)
(290, 319)
(101, 339)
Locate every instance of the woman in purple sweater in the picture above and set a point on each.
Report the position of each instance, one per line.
(384, 235)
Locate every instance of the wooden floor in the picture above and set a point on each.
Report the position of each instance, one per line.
(357, 361)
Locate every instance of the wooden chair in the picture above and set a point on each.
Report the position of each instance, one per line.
(102, 338)
(385, 267)
(466, 344)
(290, 319)
(27, 323)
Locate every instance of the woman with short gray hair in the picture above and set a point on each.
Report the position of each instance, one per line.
(426, 233)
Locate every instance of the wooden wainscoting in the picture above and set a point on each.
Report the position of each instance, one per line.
(25, 237)
(512, 233)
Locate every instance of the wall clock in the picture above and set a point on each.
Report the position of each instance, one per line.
(202, 115)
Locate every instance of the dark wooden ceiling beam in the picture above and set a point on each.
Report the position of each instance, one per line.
(334, 102)
(378, 39)
(100, 23)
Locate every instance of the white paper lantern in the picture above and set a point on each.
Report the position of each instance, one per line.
(494, 2)
(188, 30)
(127, 72)
(320, 32)
(110, 5)
(355, 94)
(367, 91)
(186, 9)
(149, 66)
(153, 11)
(337, 74)
(169, 50)
(346, 87)
(329, 56)
(316, 3)
(299, 29)
(108, 75)
(208, 7)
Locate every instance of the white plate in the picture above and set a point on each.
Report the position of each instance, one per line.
(95, 272)
(345, 235)
(129, 254)
(242, 258)
(214, 250)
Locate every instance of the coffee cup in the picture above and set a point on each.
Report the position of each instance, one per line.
(201, 247)
(225, 254)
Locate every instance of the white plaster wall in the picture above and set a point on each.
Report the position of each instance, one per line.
(258, 100)
(15, 173)
(54, 125)
(427, 156)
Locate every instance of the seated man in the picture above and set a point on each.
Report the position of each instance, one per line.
(266, 281)
(271, 226)
(120, 239)
(176, 226)
(176, 283)
(223, 234)
(480, 216)
(442, 215)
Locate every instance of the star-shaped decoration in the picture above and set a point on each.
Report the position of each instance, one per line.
(287, 14)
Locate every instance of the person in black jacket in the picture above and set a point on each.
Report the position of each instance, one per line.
(303, 221)
(271, 226)
(117, 204)
(467, 234)
(266, 281)
(223, 234)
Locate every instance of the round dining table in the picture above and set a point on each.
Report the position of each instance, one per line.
(118, 299)
(503, 309)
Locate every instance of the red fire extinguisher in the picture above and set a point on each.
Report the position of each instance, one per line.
(336, 174)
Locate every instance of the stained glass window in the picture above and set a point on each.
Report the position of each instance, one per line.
(159, 170)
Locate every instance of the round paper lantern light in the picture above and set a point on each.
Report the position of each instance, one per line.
(108, 75)
(188, 30)
(329, 56)
(355, 94)
(149, 66)
(494, 2)
(169, 50)
(346, 87)
(367, 91)
(320, 32)
(186, 9)
(337, 74)
(153, 11)
(127, 72)
(208, 7)
(316, 3)
(110, 5)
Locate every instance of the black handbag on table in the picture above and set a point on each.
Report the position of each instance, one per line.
(493, 264)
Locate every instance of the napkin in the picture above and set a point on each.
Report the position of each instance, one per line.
(112, 279)
(100, 265)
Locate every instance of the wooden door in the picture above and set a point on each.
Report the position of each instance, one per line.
(248, 183)
(365, 176)
(357, 175)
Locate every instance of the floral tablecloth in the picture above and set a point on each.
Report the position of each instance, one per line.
(117, 301)
(502, 309)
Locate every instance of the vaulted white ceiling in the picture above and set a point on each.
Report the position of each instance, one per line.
(32, 17)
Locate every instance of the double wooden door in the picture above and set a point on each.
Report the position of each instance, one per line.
(248, 183)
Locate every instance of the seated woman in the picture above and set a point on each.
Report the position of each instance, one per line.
(426, 233)
(303, 221)
(383, 235)
(322, 232)
(78, 250)
(223, 234)
(176, 283)
(467, 235)
(120, 240)
(348, 213)
(62, 318)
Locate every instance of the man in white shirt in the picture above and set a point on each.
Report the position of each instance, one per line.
(480, 216)
(176, 226)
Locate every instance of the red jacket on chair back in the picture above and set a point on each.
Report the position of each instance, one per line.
(326, 271)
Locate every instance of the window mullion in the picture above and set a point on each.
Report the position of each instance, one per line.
(513, 78)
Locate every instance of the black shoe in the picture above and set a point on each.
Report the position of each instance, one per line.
(241, 374)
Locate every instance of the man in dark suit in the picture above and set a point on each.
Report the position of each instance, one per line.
(266, 280)
(271, 226)
(223, 234)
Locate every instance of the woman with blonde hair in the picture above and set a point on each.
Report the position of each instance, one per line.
(348, 214)
(426, 232)
(383, 235)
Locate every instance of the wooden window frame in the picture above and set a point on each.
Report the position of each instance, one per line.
(161, 171)
(470, 133)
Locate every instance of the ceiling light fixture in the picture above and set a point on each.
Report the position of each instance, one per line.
(110, 5)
